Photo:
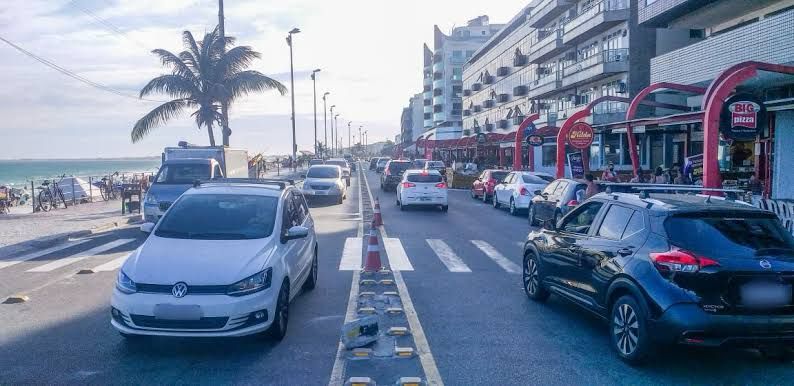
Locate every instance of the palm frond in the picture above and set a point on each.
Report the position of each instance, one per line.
(160, 115)
(190, 43)
(246, 82)
(235, 60)
(176, 86)
(167, 58)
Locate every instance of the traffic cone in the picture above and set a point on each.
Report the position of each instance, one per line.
(373, 263)
(377, 220)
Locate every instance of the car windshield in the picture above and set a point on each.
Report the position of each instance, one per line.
(183, 173)
(323, 172)
(337, 163)
(729, 235)
(536, 179)
(219, 217)
(435, 164)
(424, 178)
(399, 167)
(383, 161)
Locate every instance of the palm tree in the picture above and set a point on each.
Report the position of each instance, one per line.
(206, 78)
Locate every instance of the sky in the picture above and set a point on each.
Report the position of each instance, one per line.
(370, 54)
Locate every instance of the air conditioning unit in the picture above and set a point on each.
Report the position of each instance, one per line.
(476, 87)
(488, 103)
(503, 124)
(504, 98)
(520, 90)
(477, 109)
(489, 127)
(467, 92)
(520, 61)
(503, 71)
(488, 79)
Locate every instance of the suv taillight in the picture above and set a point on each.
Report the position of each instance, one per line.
(408, 184)
(441, 185)
(678, 260)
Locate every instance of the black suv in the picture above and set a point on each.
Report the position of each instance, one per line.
(670, 268)
(393, 174)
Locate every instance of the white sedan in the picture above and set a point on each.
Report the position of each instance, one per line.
(225, 260)
(325, 181)
(422, 188)
(518, 188)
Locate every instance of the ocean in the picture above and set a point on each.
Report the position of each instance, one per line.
(21, 172)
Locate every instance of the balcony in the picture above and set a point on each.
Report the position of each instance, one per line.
(547, 46)
(544, 86)
(428, 102)
(520, 61)
(438, 92)
(661, 12)
(427, 81)
(595, 67)
(488, 79)
(595, 20)
(520, 90)
(547, 11)
(705, 59)
(489, 127)
(438, 75)
(503, 71)
(427, 88)
(503, 124)
(504, 98)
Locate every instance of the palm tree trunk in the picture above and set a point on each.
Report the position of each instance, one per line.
(225, 123)
(211, 135)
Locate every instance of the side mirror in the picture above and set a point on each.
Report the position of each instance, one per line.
(538, 192)
(147, 227)
(303, 175)
(296, 232)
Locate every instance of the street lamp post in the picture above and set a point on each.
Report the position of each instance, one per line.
(292, 94)
(366, 150)
(360, 138)
(349, 146)
(332, 131)
(325, 121)
(314, 85)
(336, 133)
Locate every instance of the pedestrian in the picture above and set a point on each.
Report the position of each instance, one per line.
(592, 187)
(756, 188)
(609, 174)
(638, 178)
(659, 177)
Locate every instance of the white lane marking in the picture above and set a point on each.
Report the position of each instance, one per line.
(36, 254)
(338, 371)
(80, 256)
(112, 265)
(497, 257)
(398, 259)
(351, 255)
(447, 256)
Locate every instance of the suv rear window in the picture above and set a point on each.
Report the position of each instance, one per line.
(728, 235)
(399, 167)
(426, 178)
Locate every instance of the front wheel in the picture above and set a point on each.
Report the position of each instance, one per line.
(45, 200)
(532, 220)
(278, 329)
(311, 281)
(531, 276)
(513, 209)
(628, 330)
(495, 201)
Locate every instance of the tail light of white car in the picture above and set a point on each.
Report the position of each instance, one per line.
(441, 185)
(409, 185)
(524, 191)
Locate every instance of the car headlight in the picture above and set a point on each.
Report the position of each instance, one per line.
(150, 199)
(254, 283)
(125, 284)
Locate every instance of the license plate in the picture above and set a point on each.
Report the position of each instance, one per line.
(321, 192)
(765, 294)
(177, 312)
(424, 198)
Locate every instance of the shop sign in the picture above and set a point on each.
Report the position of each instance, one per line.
(576, 165)
(482, 138)
(535, 140)
(581, 135)
(743, 117)
(694, 167)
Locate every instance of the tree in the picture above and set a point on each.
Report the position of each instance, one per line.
(204, 77)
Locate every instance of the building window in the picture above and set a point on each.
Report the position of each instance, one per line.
(457, 73)
(469, 53)
(549, 155)
(457, 54)
(612, 146)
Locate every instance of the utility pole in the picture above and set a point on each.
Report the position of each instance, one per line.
(360, 138)
(331, 118)
(325, 120)
(292, 94)
(314, 84)
(226, 132)
(336, 134)
(349, 146)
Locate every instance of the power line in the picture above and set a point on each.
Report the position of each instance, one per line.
(75, 76)
(108, 25)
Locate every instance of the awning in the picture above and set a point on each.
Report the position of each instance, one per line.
(668, 120)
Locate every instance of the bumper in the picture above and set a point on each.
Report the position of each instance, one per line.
(438, 200)
(689, 324)
(309, 194)
(391, 181)
(522, 202)
(135, 314)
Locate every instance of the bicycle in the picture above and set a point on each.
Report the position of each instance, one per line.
(5, 200)
(49, 195)
(108, 189)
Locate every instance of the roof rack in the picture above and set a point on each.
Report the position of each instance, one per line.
(282, 184)
(644, 190)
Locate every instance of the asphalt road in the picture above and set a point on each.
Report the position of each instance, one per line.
(463, 277)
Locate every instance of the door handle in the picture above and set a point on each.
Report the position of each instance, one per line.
(625, 251)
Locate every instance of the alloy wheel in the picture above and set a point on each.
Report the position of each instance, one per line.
(513, 209)
(283, 312)
(626, 327)
(531, 282)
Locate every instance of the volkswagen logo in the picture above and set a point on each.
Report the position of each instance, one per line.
(765, 264)
(179, 290)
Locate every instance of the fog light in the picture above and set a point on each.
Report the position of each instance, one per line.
(259, 315)
(114, 311)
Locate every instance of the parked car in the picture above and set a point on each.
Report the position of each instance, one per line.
(419, 163)
(554, 201)
(517, 189)
(324, 182)
(373, 163)
(393, 174)
(669, 269)
(222, 262)
(342, 163)
(316, 161)
(381, 164)
(422, 188)
(437, 165)
(483, 186)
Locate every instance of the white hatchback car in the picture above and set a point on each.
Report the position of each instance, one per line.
(422, 188)
(225, 260)
(325, 181)
(517, 189)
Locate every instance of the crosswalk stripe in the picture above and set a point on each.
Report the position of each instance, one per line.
(39, 253)
(80, 256)
(398, 260)
(497, 257)
(351, 254)
(447, 256)
(112, 265)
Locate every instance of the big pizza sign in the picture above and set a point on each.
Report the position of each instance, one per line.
(743, 117)
(580, 135)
